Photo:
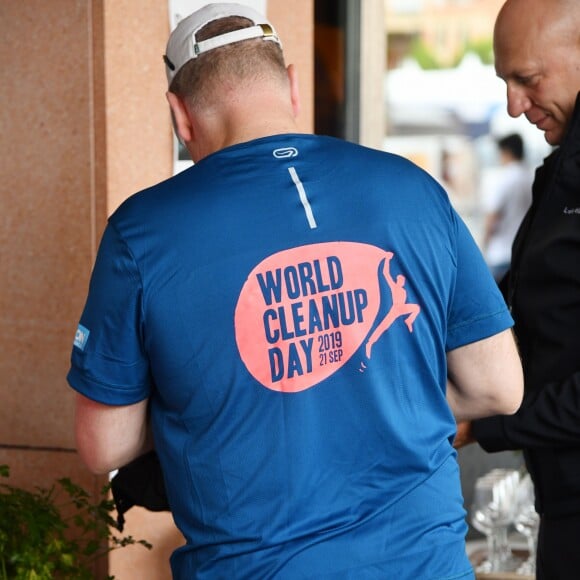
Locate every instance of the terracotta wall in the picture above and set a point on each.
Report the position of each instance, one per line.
(46, 210)
(138, 130)
(50, 201)
(83, 125)
(48, 204)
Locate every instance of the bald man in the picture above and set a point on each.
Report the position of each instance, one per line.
(537, 51)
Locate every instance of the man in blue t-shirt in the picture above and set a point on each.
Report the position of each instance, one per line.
(295, 323)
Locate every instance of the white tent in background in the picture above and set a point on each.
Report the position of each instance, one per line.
(469, 94)
(447, 122)
(468, 100)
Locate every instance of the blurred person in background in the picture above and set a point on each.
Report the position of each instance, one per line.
(505, 203)
(537, 52)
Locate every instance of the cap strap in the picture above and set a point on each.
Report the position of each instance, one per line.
(259, 31)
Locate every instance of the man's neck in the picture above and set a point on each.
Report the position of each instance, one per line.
(241, 121)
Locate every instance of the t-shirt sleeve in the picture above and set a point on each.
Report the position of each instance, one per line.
(108, 362)
(477, 309)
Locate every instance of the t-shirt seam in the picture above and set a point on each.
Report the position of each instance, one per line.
(477, 319)
(139, 277)
(117, 387)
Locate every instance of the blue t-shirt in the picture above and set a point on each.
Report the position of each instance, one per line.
(287, 304)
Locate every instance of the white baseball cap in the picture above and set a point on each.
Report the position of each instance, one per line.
(183, 45)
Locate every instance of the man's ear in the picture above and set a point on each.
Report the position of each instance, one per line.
(294, 92)
(181, 118)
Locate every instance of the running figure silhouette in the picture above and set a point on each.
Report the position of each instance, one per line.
(399, 307)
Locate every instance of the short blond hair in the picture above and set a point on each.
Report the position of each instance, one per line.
(199, 80)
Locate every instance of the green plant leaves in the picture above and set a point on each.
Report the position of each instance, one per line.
(55, 532)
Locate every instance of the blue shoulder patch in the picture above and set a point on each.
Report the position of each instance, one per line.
(81, 337)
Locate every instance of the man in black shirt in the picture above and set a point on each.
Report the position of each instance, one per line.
(537, 51)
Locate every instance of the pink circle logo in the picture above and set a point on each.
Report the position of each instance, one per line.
(302, 313)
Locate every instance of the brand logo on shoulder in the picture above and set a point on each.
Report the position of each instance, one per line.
(285, 153)
(81, 337)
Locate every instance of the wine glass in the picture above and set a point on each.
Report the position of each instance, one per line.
(492, 512)
(527, 522)
(511, 481)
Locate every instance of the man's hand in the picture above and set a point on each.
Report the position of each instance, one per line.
(464, 435)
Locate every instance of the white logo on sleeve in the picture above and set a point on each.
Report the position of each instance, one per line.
(81, 337)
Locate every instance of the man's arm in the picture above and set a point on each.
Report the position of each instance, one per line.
(109, 437)
(485, 378)
(548, 418)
